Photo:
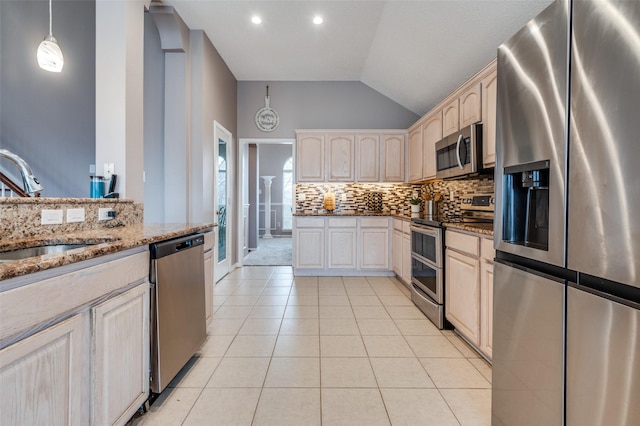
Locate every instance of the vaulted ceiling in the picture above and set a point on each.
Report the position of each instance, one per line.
(414, 52)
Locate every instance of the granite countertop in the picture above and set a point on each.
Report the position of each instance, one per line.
(480, 228)
(104, 240)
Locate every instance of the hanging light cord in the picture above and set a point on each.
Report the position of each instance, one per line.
(50, 24)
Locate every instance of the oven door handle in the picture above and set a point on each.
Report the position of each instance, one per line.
(429, 232)
(460, 137)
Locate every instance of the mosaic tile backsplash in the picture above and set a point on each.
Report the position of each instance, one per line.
(395, 197)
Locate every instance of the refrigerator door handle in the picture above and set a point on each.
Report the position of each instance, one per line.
(460, 137)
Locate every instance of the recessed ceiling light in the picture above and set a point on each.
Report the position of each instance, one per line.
(256, 20)
(317, 20)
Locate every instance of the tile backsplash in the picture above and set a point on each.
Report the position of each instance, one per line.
(395, 197)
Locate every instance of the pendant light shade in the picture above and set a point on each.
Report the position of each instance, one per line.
(49, 53)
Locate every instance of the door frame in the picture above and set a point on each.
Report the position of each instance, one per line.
(243, 143)
(220, 132)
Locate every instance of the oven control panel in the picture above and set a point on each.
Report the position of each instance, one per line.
(481, 202)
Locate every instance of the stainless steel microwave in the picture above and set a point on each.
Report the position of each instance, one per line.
(460, 154)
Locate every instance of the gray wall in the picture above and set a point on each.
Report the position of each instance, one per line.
(318, 105)
(49, 118)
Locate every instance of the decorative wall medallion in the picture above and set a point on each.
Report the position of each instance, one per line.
(267, 118)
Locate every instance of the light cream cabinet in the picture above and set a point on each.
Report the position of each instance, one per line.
(489, 105)
(401, 249)
(392, 158)
(42, 377)
(469, 287)
(91, 368)
(120, 353)
(471, 106)
(486, 296)
(374, 241)
(310, 157)
(209, 239)
(415, 154)
(406, 257)
(462, 300)
(350, 156)
(336, 245)
(368, 158)
(450, 118)
(342, 243)
(396, 250)
(340, 150)
(309, 243)
(431, 134)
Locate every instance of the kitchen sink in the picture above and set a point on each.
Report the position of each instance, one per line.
(28, 252)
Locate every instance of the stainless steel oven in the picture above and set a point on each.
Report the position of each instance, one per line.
(427, 274)
(460, 154)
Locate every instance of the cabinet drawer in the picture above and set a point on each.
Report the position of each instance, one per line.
(463, 242)
(209, 238)
(406, 226)
(374, 222)
(397, 224)
(335, 222)
(310, 222)
(486, 249)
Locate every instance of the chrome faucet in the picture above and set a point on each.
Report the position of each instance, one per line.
(31, 184)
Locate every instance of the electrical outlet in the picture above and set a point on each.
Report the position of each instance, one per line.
(106, 214)
(75, 215)
(50, 217)
(452, 194)
(92, 169)
(109, 169)
(302, 197)
(343, 197)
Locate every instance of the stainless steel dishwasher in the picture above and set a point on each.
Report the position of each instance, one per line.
(178, 323)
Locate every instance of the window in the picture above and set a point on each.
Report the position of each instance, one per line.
(287, 194)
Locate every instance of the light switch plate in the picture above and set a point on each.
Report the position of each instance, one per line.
(302, 197)
(50, 217)
(343, 197)
(75, 215)
(109, 169)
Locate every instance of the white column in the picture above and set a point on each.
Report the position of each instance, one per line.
(267, 206)
(119, 94)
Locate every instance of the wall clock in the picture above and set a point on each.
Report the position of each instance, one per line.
(267, 118)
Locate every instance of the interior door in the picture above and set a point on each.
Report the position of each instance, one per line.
(223, 166)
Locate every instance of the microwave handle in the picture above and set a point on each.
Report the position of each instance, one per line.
(458, 152)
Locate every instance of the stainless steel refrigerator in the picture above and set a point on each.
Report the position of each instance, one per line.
(566, 346)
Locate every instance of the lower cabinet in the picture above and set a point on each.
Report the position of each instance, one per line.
(396, 251)
(374, 242)
(120, 353)
(401, 249)
(406, 258)
(341, 244)
(81, 358)
(469, 287)
(462, 300)
(209, 283)
(42, 377)
(334, 245)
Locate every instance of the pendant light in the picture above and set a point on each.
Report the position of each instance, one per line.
(49, 53)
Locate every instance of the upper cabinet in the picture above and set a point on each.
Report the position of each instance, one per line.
(431, 133)
(392, 158)
(350, 156)
(368, 158)
(450, 118)
(340, 155)
(310, 157)
(489, 105)
(472, 102)
(470, 106)
(415, 154)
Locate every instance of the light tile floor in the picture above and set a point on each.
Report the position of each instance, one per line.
(323, 351)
